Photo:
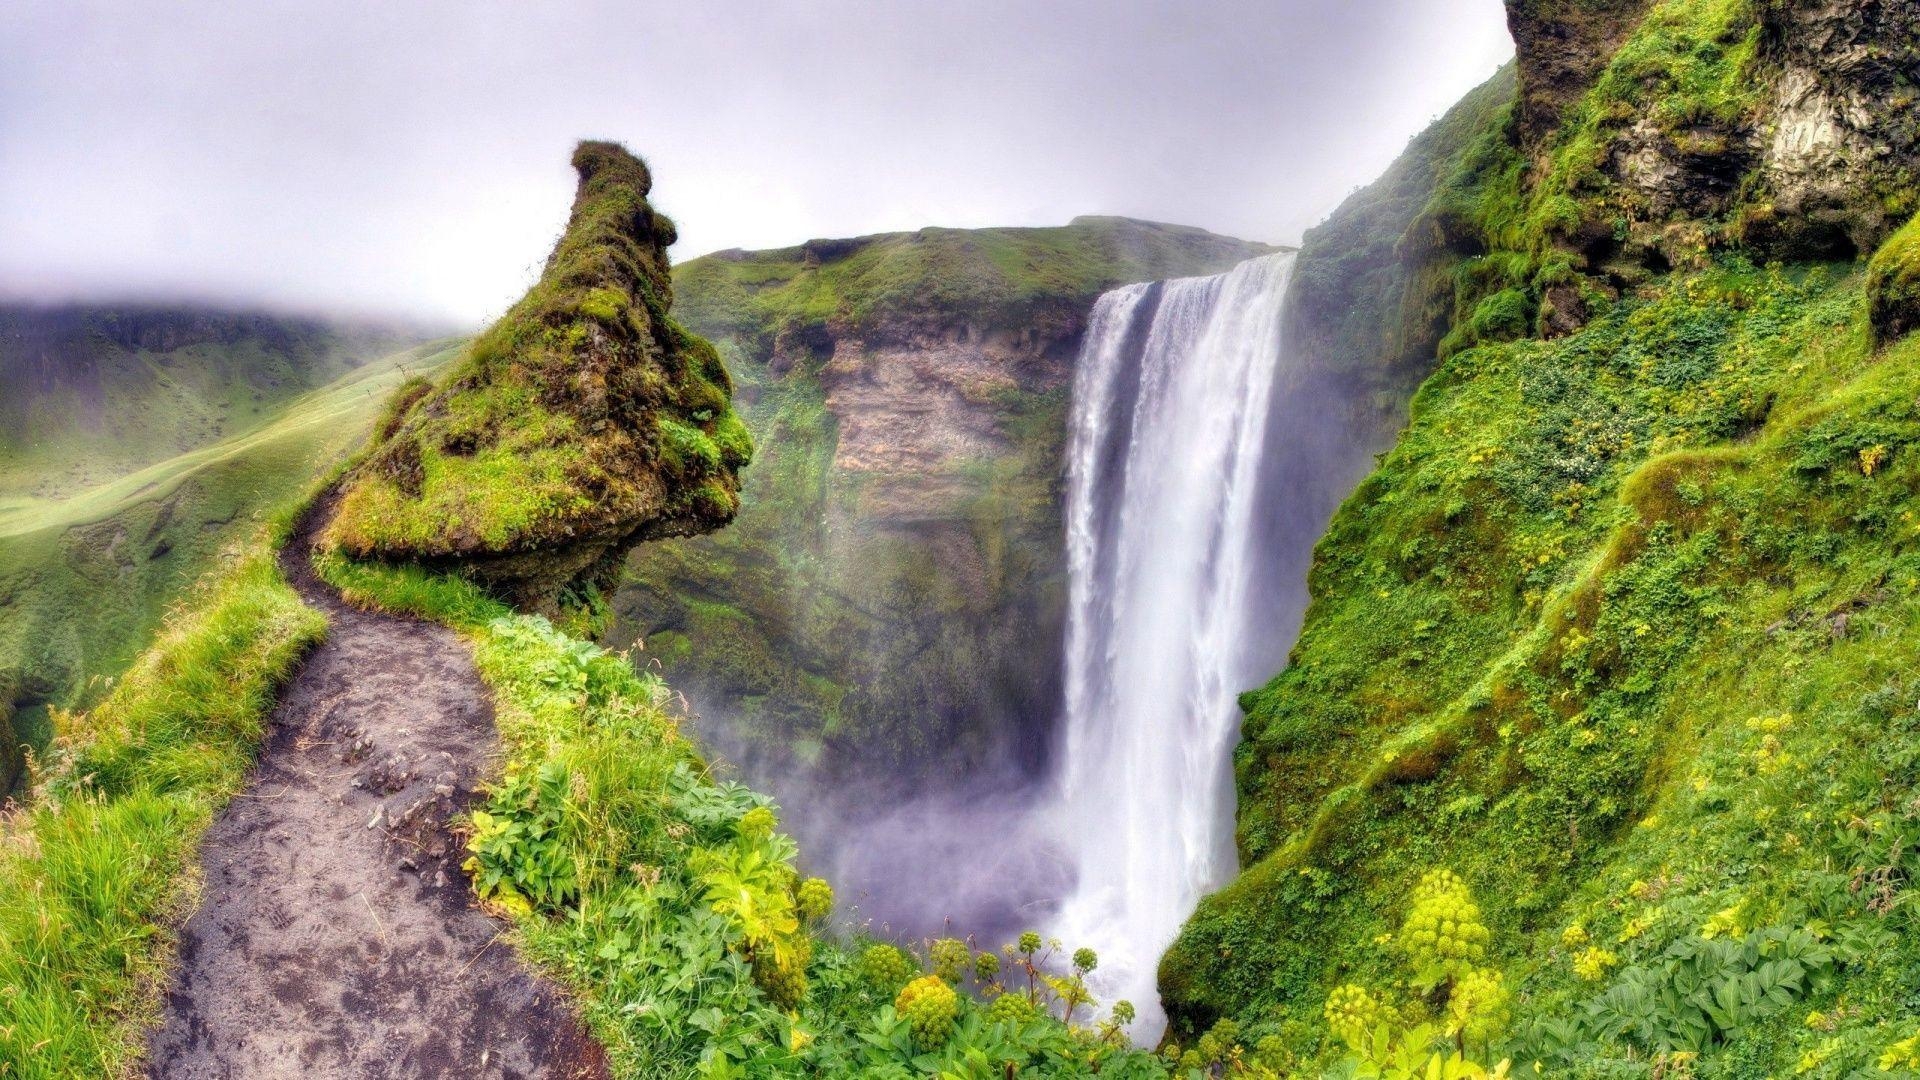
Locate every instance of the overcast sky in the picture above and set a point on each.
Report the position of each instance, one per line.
(411, 157)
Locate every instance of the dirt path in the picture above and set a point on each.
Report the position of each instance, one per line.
(337, 936)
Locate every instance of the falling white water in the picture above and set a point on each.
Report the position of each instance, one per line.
(1168, 438)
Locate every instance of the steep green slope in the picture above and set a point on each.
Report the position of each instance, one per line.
(99, 866)
(92, 393)
(85, 580)
(892, 592)
(1619, 630)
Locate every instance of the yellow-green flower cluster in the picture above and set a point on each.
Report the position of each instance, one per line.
(1443, 934)
(986, 966)
(783, 979)
(757, 824)
(950, 957)
(887, 967)
(1904, 1054)
(1593, 964)
(814, 899)
(1478, 1006)
(1352, 1013)
(1010, 1008)
(930, 1007)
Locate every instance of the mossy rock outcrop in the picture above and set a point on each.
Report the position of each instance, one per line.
(584, 422)
(1893, 285)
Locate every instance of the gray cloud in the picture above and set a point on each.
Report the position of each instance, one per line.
(412, 157)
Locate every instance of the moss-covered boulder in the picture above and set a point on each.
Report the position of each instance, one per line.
(1893, 285)
(583, 422)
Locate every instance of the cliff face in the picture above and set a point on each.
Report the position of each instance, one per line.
(1658, 133)
(1612, 630)
(890, 600)
(583, 422)
(1561, 47)
(1839, 143)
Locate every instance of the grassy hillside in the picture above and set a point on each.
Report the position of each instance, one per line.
(890, 596)
(893, 282)
(93, 393)
(1615, 633)
(85, 579)
(101, 865)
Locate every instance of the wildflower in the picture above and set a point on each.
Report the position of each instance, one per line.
(1593, 964)
(930, 1007)
(1352, 1013)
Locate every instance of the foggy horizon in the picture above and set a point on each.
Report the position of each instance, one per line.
(413, 164)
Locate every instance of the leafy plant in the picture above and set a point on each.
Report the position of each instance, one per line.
(518, 854)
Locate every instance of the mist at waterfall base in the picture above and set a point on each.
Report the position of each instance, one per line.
(1203, 461)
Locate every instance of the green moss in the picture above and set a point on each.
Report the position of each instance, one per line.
(1688, 69)
(585, 416)
(1893, 285)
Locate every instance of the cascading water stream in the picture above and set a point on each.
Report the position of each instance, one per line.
(1168, 438)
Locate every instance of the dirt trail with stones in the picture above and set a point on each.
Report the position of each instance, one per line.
(337, 936)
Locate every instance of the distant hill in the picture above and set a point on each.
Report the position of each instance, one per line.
(90, 392)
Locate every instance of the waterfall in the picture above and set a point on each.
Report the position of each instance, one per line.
(1169, 435)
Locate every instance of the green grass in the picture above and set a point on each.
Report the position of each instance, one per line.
(102, 865)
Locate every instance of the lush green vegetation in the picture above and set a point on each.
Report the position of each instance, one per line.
(142, 537)
(667, 900)
(585, 411)
(1600, 587)
(99, 868)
